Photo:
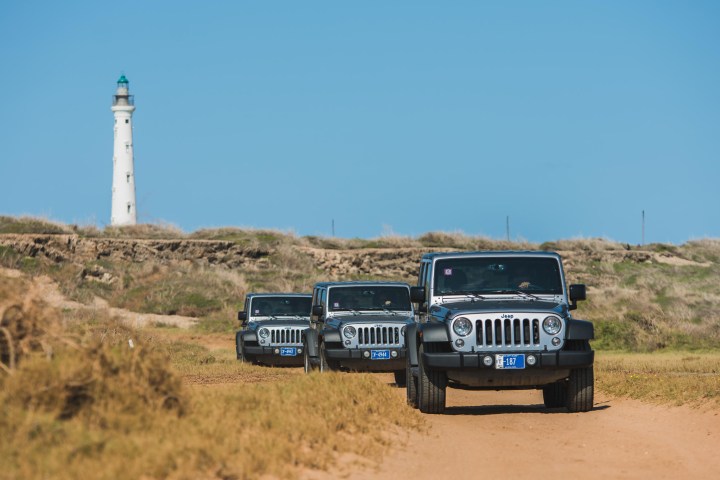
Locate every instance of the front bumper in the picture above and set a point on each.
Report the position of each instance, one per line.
(474, 361)
(270, 351)
(355, 359)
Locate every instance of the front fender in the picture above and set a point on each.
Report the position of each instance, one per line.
(434, 332)
(580, 330)
(310, 342)
(411, 341)
(248, 336)
(331, 336)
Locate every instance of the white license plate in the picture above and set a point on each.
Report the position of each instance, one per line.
(288, 352)
(379, 354)
(510, 361)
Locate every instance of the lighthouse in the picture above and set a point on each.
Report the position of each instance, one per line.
(123, 186)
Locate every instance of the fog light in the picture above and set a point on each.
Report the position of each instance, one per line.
(262, 341)
(347, 342)
(459, 343)
(299, 350)
(487, 360)
(277, 350)
(531, 360)
(556, 341)
(393, 354)
(366, 354)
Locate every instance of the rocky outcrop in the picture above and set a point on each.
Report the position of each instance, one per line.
(73, 248)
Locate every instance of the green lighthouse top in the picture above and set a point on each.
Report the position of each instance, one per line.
(123, 80)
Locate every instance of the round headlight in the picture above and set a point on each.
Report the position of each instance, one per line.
(552, 325)
(264, 332)
(462, 326)
(349, 332)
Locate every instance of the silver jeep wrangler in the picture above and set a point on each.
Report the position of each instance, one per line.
(272, 326)
(494, 321)
(359, 326)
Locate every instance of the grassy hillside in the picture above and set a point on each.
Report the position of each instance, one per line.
(641, 298)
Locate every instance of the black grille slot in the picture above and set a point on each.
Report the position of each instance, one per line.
(285, 336)
(516, 332)
(378, 335)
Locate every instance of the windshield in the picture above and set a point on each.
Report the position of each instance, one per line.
(369, 298)
(280, 306)
(486, 275)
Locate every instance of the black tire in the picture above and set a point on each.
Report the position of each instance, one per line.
(325, 366)
(554, 395)
(580, 387)
(580, 390)
(309, 366)
(238, 346)
(431, 386)
(410, 384)
(400, 377)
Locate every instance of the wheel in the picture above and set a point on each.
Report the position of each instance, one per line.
(238, 346)
(431, 386)
(410, 385)
(325, 366)
(309, 367)
(554, 394)
(580, 390)
(400, 377)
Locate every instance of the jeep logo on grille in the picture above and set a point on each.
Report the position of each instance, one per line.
(506, 315)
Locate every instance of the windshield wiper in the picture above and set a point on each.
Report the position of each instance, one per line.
(468, 293)
(517, 292)
(354, 312)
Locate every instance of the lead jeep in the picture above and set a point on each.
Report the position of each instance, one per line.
(497, 321)
(272, 326)
(359, 326)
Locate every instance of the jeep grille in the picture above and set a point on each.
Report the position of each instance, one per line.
(521, 332)
(379, 336)
(286, 336)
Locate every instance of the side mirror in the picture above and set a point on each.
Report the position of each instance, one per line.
(242, 316)
(417, 294)
(577, 293)
(317, 310)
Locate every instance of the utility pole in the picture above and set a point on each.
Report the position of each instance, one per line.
(333, 227)
(507, 228)
(643, 227)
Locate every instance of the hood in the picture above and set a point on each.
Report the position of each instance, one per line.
(486, 306)
(281, 322)
(382, 318)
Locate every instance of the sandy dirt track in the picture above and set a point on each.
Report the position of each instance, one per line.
(509, 434)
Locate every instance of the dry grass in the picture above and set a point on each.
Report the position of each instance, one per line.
(31, 225)
(673, 378)
(83, 399)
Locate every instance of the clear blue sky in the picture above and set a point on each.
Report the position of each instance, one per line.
(570, 117)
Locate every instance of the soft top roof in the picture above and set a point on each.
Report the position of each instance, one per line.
(361, 283)
(490, 253)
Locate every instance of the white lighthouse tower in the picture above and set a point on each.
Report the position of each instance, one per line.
(123, 187)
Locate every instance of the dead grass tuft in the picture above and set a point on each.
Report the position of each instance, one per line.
(672, 378)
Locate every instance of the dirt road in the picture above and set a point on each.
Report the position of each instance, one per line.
(512, 436)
